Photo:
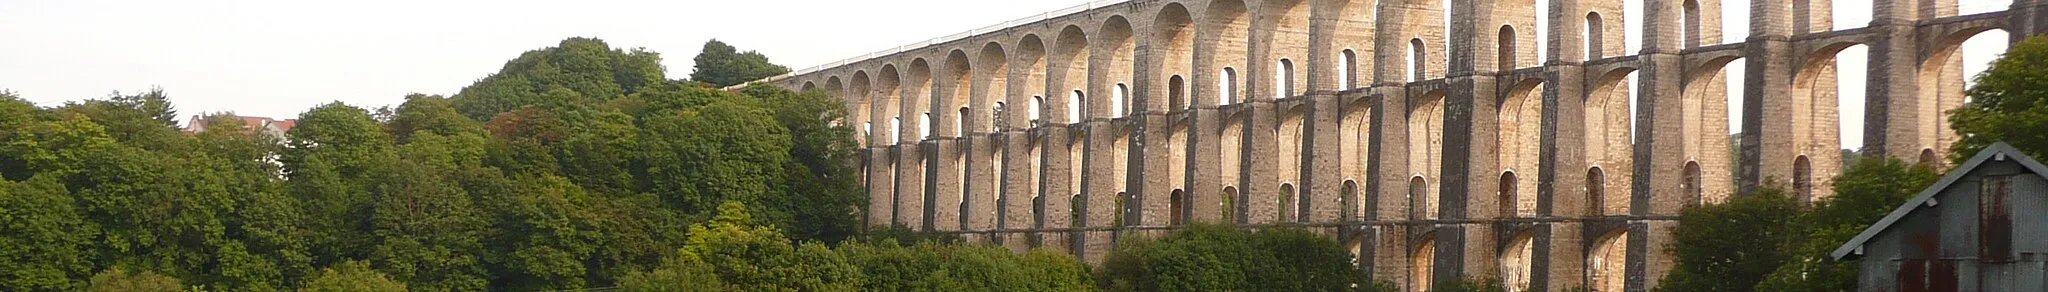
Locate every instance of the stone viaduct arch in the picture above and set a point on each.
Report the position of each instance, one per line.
(1521, 150)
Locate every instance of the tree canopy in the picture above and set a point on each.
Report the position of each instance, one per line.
(723, 65)
(571, 167)
(2009, 103)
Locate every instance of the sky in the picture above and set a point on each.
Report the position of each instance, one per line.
(278, 58)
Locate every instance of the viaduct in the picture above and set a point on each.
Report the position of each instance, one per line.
(1437, 142)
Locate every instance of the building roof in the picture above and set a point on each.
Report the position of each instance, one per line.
(253, 123)
(1999, 152)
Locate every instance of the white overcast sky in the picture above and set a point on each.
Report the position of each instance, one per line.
(277, 58)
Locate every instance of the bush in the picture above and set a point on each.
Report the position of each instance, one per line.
(1224, 258)
(121, 279)
(352, 276)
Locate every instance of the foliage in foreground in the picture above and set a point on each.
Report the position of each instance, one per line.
(728, 254)
(1224, 258)
(2009, 103)
(1766, 242)
(571, 167)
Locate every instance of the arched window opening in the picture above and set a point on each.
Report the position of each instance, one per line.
(1928, 158)
(1037, 105)
(1177, 93)
(1226, 87)
(1421, 266)
(1516, 263)
(895, 130)
(1037, 217)
(1415, 55)
(1418, 194)
(867, 129)
(1230, 210)
(1507, 48)
(1074, 205)
(1802, 180)
(1606, 264)
(1119, 102)
(1593, 35)
(1510, 195)
(1177, 208)
(1689, 28)
(1283, 79)
(1596, 190)
(960, 122)
(995, 116)
(1075, 103)
(924, 125)
(1289, 210)
(1351, 201)
(1695, 194)
(1347, 65)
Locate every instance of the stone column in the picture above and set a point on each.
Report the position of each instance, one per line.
(1559, 261)
(1322, 166)
(1099, 189)
(1767, 149)
(910, 162)
(1388, 148)
(1055, 184)
(1894, 104)
(1657, 191)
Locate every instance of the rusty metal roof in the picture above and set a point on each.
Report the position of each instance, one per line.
(2000, 151)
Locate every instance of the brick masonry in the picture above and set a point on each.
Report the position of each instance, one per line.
(1130, 119)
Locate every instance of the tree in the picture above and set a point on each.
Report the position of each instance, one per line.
(1863, 194)
(726, 151)
(352, 276)
(722, 65)
(1732, 245)
(751, 258)
(1223, 258)
(821, 172)
(431, 114)
(122, 279)
(45, 241)
(2009, 103)
(145, 120)
(332, 159)
(427, 231)
(15, 115)
(586, 66)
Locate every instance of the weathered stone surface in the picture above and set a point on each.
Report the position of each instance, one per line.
(1132, 118)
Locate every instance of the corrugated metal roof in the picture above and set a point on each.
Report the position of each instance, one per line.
(1996, 150)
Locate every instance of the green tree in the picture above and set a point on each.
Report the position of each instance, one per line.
(1223, 258)
(427, 230)
(1863, 194)
(821, 172)
(333, 158)
(145, 120)
(589, 67)
(755, 258)
(122, 279)
(2009, 103)
(1732, 246)
(45, 241)
(352, 276)
(431, 114)
(697, 159)
(16, 114)
(723, 65)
